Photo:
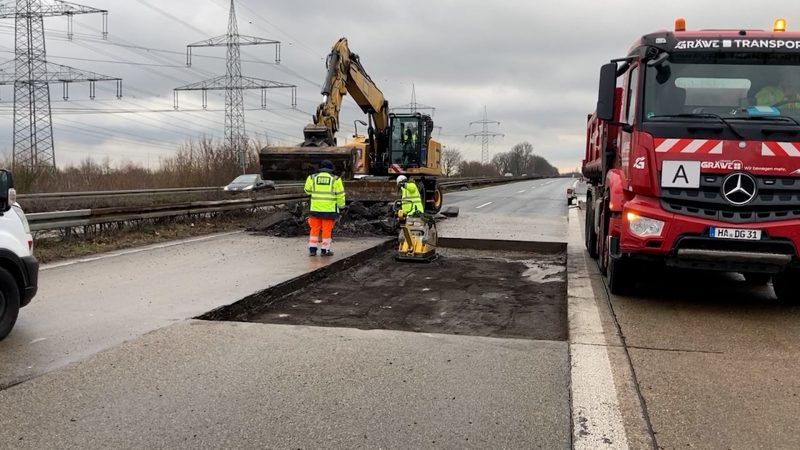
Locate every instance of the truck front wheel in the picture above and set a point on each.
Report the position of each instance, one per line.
(756, 279)
(620, 275)
(590, 234)
(9, 302)
(787, 286)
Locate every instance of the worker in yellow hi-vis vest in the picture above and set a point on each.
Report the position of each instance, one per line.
(783, 95)
(327, 200)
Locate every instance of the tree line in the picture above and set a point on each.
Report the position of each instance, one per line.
(206, 163)
(519, 161)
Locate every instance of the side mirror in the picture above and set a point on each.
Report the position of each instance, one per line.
(6, 187)
(606, 92)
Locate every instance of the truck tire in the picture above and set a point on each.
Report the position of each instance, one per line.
(9, 303)
(787, 287)
(756, 279)
(590, 235)
(620, 276)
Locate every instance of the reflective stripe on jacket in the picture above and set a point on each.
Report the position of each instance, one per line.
(327, 194)
(774, 95)
(410, 198)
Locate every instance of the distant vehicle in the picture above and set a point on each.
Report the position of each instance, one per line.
(572, 194)
(249, 182)
(19, 270)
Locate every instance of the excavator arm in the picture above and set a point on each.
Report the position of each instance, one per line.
(345, 76)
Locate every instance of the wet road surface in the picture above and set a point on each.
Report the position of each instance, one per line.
(222, 384)
(534, 210)
(86, 307)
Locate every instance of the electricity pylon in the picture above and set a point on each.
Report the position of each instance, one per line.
(32, 74)
(234, 84)
(485, 134)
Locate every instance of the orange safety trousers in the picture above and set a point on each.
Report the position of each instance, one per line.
(325, 226)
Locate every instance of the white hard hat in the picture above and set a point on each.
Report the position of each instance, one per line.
(401, 179)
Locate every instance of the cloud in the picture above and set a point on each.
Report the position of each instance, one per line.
(534, 65)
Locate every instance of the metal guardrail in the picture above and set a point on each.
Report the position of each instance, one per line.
(134, 192)
(84, 217)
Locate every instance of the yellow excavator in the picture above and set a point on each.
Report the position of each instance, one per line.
(395, 144)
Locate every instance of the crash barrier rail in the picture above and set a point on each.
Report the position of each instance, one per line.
(134, 192)
(55, 220)
(85, 217)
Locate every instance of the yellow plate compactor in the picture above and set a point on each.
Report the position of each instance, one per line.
(417, 239)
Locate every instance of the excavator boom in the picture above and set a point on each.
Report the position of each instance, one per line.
(345, 75)
(393, 144)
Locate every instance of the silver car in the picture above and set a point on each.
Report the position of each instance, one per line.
(249, 182)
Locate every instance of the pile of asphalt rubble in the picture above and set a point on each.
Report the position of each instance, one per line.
(357, 220)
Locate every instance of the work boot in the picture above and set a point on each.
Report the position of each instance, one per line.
(313, 252)
(327, 253)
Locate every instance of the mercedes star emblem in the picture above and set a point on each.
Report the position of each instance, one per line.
(739, 188)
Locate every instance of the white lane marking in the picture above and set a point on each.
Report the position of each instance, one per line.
(135, 250)
(521, 192)
(596, 415)
(485, 204)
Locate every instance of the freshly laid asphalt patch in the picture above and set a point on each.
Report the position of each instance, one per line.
(467, 292)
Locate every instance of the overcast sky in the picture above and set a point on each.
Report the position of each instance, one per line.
(534, 65)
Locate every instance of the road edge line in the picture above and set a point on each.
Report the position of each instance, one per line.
(597, 420)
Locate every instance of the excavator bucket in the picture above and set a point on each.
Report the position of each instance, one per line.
(296, 163)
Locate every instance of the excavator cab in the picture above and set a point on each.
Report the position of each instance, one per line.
(410, 137)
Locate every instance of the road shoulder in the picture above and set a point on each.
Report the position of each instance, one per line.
(607, 409)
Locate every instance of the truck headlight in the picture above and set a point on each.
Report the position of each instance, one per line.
(644, 226)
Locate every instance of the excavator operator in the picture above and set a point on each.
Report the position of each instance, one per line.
(410, 145)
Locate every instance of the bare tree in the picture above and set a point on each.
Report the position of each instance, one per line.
(476, 169)
(520, 159)
(501, 162)
(451, 158)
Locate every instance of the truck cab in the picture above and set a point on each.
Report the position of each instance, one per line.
(19, 270)
(693, 156)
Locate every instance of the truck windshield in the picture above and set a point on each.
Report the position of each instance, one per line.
(730, 85)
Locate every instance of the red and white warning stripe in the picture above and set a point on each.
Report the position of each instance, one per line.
(780, 149)
(395, 168)
(697, 146)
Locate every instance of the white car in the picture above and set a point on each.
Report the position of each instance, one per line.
(19, 270)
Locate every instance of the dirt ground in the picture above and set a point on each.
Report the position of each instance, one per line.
(478, 293)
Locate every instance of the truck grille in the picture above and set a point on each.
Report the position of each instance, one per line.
(777, 199)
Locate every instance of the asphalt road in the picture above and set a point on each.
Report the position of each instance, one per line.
(717, 361)
(714, 359)
(533, 210)
(210, 385)
(86, 306)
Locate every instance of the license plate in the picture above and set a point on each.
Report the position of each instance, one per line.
(735, 233)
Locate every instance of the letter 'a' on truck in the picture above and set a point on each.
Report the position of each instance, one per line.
(693, 157)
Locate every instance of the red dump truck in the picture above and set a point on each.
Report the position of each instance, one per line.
(693, 157)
